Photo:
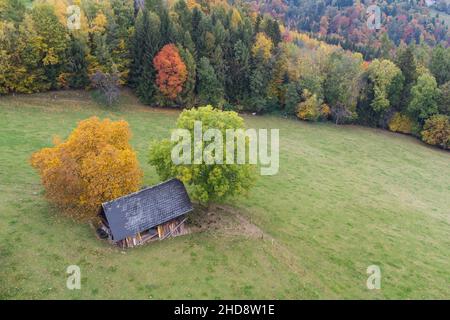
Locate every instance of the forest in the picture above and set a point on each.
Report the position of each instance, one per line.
(237, 57)
(344, 22)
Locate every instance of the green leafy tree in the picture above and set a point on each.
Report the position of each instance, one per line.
(10, 68)
(12, 10)
(386, 82)
(387, 46)
(51, 41)
(208, 182)
(119, 30)
(424, 98)
(343, 82)
(21, 64)
(440, 64)
(293, 98)
(444, 99)
(259, 80)
(261, 73)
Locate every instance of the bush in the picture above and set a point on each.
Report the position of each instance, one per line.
(401, 123)
(325, 112)
(310, 108)
(94, 165)
(436, 131)
(108, 86)
(341, 114)
(209, 182)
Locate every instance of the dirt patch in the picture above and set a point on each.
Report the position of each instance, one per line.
(224, 220)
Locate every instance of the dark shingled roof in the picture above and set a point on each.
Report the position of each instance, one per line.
(146, 209)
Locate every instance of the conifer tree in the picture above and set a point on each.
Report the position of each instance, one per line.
(147, 38)
(76, 65)
(209, 88)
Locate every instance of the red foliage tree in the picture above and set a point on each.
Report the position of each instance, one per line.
(171, 71)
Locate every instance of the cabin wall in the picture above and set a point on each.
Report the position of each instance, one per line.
(172, 228)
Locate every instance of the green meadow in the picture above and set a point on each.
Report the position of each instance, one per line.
(345, 198)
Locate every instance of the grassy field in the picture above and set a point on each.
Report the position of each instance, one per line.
(345, 198)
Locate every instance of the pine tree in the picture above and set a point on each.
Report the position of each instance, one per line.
(273, 31)
(407, 64)
(259, 80)
(118, 36)
(168, 32)
(184, 15)
(187, 96)
(217, 61)
(188, 43)
(147, 38)
(208, 88)
(238, 78)
(76, 65)
(197, 17)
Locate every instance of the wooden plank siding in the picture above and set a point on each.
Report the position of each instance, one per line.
(172, 228)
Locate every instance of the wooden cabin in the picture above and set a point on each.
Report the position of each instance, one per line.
(154, 213)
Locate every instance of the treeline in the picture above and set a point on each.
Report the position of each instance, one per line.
(188, 53)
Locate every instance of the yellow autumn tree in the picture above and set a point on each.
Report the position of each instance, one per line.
(236, 19)
(193, 4)
(309, 109)
(99, 23)
(401, 123)
(263, 46)
(94, 165)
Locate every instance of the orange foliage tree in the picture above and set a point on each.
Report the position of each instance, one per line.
(94, 165)
(171, 71)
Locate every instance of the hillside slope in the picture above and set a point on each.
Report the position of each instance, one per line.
(345, 21)
(345, 198)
